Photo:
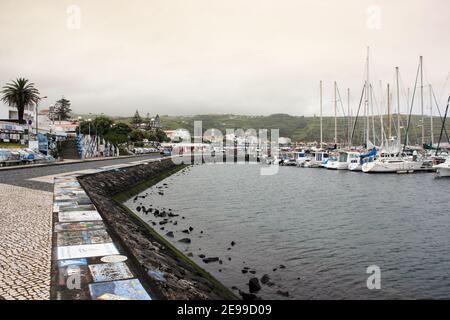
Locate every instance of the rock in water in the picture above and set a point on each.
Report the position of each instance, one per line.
(185, 240)
(202, 256)
(233, 243)
(185, 231)
(253, 285)
(265, 278)
(190, 229)
(283, 293)
(247, 296)
(213, 259)
(169, 234)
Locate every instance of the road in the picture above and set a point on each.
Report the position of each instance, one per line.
(23, 177)
(26, 197)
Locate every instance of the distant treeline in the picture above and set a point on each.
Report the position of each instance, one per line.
(300, 128)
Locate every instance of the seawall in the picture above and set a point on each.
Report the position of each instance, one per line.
(165, 270)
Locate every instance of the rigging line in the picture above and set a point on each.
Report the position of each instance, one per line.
(443, 125)
(439, 111)
(343, 110)
(381, 118)
(357, 113)
(412, 104)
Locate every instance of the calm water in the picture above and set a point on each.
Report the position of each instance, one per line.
(326, 227)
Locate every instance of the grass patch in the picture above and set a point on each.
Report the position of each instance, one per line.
(120, 198)
(11, 145)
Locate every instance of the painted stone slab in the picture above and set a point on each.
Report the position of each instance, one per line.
(110, 271)
(79, 226)
(79, 216)
(113, 259)
(86, 251)
(84, 237)
(72, 276)
(75, 207)
(129, 289)
(72, 262)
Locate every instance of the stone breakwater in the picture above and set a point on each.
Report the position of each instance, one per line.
(168, 273)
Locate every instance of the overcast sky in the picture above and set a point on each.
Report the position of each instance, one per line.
(219, 56)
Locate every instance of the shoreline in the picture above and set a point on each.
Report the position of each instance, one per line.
(152, 254)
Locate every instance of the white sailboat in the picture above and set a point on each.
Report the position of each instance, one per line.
(443, 169)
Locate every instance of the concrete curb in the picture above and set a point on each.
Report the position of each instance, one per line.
(40, 165)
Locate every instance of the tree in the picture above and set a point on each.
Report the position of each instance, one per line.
(137, 135)
(121, 128)
(62, 109)
(136, 120)
(102, 124)
(20, 94)
(161, 136)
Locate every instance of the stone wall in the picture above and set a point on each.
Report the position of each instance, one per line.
(168, 273)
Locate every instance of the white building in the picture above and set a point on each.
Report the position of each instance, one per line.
(11, 113)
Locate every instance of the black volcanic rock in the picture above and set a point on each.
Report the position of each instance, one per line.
(265, 278)
(169, 234)
(211, 259)
(253, 285)
(185, 240)
(247, 296)
(283, 293)
(202, 256)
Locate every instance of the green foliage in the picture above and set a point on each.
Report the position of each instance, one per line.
(20, 94)
(62, 109)
(136, 120)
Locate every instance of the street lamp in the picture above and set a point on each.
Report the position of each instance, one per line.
(79, 124)
(37, 113)
(89, 121)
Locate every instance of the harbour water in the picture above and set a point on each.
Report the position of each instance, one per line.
(314, 232)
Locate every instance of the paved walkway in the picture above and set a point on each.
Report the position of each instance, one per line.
(26, 197)
(25, 243)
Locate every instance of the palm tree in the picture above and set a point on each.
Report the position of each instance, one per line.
(20, 94)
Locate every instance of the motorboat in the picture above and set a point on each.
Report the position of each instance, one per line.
(343, 160)
(443, 169)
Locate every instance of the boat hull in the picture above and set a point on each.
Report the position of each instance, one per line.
(336, 165)
(400, 166)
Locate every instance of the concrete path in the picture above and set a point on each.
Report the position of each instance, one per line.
(26, 197)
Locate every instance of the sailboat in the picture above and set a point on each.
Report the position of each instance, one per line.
(391, 158)
(443, 169)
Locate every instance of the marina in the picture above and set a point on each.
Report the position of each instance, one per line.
(295, 219)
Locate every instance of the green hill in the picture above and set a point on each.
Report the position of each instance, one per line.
(300, 128)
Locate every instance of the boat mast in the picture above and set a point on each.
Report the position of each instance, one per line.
(367, 99)
(321, 132)
(349, 119)
(431, 115)
(398, 105)
(389, 113)
(335, 114)
(421, 99)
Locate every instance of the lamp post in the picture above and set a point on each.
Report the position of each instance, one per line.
(37, 113)
(79, 124)
(89, 121)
